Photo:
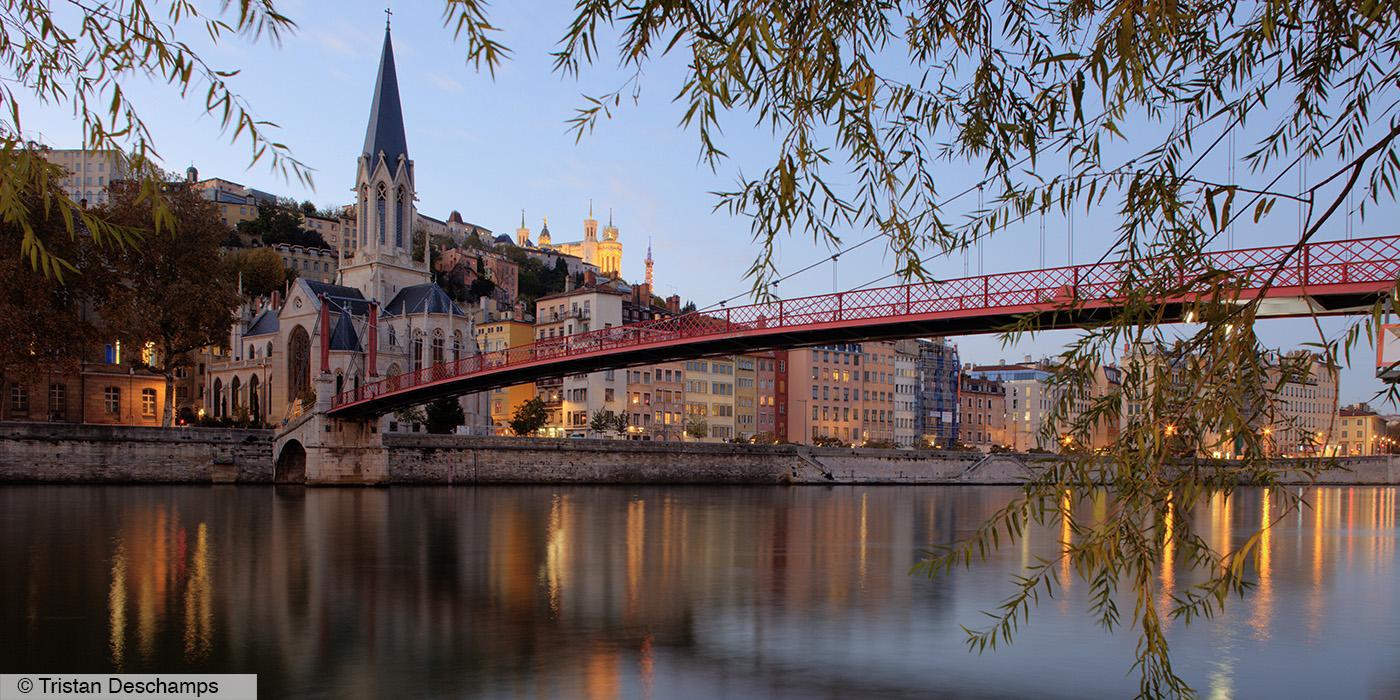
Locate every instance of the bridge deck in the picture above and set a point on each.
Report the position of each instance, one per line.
(1332, 277)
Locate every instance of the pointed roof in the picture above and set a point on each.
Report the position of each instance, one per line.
(343, 336)
(413, 299)
(385, 132)
(265, 323)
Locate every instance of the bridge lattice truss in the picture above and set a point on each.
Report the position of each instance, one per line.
(1333, 276)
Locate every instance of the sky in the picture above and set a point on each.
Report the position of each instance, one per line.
(490, 146)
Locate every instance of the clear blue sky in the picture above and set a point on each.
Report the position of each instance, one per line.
(491, 147)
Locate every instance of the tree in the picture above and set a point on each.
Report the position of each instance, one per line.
(42, 324)
(261, 270)
(601, 422)
(165, 300)
(697, 428)
(276, 224)
(85, 57)
(620, 423)
(444, 415)
(529, 417)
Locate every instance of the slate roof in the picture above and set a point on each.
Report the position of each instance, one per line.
(340, 296)
(386, 132)
(413, 300)
(343, 336)
(266, 322)
(503, 238)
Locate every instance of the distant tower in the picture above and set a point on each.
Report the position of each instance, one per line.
(650, 281)
(544, 232)
(590, 225)
(191, 174)
(522, 234)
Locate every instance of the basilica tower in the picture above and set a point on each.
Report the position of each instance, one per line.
(384, 195)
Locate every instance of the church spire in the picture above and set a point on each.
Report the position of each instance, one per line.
(386, 132)
(650, 281)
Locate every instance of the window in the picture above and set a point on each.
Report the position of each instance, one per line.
(148, 402)
(112, 400)
(381, 218)
(19, 398)
(398, 219)
(58, 399)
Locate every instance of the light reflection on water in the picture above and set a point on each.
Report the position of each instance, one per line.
(655, 592)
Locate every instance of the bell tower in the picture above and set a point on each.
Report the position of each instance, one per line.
(384, 196)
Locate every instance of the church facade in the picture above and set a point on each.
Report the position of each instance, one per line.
(604, 256)
(383, 315)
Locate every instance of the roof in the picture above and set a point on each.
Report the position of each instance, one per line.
(343, 336)
(1357, 412)
(417, 298)
(503, 238)
(385, 132)
(340, 296)
(595, 289)
(265, 322)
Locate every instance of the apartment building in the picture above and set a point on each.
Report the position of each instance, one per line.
(936, 402)
(823, 393)
(1362, 432)
(877, 392)
(88, 172)
(496, 333)
(709, 399)
(906, 384)
(557, 317)
(984, 413)
(745, 396)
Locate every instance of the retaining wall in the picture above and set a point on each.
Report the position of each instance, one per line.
(64, 452)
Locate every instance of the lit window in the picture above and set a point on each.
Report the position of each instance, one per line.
(112, 400)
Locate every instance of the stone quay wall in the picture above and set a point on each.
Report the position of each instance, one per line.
(65, 452)
(57, 452)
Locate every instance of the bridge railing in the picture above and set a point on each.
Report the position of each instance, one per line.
(1315, 264)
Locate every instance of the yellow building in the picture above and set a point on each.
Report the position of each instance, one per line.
(1361, 432)
(606, 254)
(497, 335)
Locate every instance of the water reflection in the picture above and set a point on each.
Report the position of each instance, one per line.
(655, 592)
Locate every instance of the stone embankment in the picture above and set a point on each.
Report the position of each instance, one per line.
(53, 452)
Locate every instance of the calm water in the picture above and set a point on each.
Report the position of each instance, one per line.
(646, 592)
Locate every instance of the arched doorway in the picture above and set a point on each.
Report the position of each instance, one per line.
(339, 383)
(298, 362)
(254, 401)
(291, 464)
(234, 398)
(218, 408)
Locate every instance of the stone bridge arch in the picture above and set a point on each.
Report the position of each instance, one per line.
(290, 467)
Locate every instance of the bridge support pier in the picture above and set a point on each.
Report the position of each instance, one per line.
(316, 449)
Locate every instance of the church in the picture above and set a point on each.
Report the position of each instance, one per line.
(605, 255)
(276, 345)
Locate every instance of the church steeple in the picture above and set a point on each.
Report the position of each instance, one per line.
(650, 282)
(385, 213)
(386, 132)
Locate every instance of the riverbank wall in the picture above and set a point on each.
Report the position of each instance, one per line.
(66, 453)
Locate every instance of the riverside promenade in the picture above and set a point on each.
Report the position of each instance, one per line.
(88, 454)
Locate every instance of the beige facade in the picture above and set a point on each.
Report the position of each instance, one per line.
(745, 396)
(88, 172)
(319, 264)
(1361, 432)
(983, 409)
(823, 391)
(709, 397)
(558, 316)
(1301, 418)
(877, 392)
(906, 385)
(495, 335)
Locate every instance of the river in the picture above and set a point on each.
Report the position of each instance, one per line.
(652, 592)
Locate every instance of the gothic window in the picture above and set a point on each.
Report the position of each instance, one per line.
(393, 337)
(299, 361)
(381, 218)
(360, 219)
(437, 350)
(398, 220)
(254, 400)
(417, 353)
(218, 398)
(456, 345)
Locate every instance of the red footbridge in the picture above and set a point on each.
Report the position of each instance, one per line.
(1324, 278)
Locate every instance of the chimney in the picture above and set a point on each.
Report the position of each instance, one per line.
(1028, 359)
(276, 300)
(673, 303)
(568, 282)
(589, 279)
